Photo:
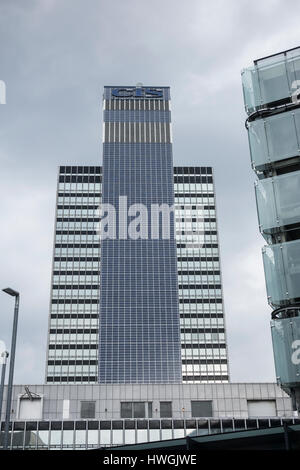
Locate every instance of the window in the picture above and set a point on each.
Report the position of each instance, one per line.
(166, 409)
(201, 408)
(126, 410)
(88, 409)
(136, 409)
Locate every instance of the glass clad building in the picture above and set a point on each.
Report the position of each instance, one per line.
(139, 338)
(271, 94)
(181, 276)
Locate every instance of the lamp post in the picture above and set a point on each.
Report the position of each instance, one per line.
(16, 295)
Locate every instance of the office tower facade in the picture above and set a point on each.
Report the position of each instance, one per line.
(203, 333)
(181, 280)
(271, 93)
(139, 337)
(75, 293)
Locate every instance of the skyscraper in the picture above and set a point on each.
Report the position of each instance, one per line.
(141, 295)
(139, 338)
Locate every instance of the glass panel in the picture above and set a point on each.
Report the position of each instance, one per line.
(138, 410)
(117, 436)
(293, 68)
(251, 423)
(291, 258)
(285, 334)
(191, 432)
(274, 274)
(129, 436)
(278, 201)
(265, 200)
(92, 437)
(43, 439)
(275, 422)
(166, 409)
(273, 81)
(282, 271)
(142, 435)
(202, 428)
(227, 425)
(30, 439)
(87, 409)
(250, 89)
(68, 436)
(281, 136)
(263, 423)
(215, 426)
(154, 435)
(166, 434)
(80, 438)
(274, 138)
(258, 143)
(126, 410)
(239, 424)
(150, 409)
(201, 408)
(55, 439)
(178, 433)
(105, 437)
(17, 439)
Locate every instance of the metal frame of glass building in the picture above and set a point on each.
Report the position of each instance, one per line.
(271, 94)
(131, 128)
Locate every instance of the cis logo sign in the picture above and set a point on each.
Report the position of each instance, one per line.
(137, 93)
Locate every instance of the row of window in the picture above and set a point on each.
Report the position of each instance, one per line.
(76, 187)
(188, 189)
(135, 105)
(184, 274)
(86, 312)
(95, 301)
(138, 283)
(80, 169)
(181, 259)
(197, 170)
(185, 282)
(187, 228)
(70, 265)
(94, 199)
(80, 179)
(134, 132)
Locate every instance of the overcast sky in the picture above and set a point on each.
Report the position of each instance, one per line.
(55, 58)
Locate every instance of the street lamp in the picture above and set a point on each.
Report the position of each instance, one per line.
(16, 295)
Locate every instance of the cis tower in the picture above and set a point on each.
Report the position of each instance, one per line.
(144, 309)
